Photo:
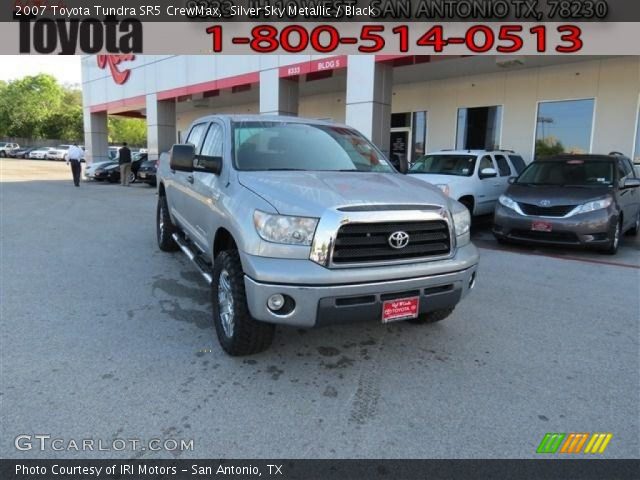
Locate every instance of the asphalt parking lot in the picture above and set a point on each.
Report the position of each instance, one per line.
(105, 337)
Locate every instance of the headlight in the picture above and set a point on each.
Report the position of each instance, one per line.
(595, 205)
(284, 229)
(445, 188)
(462, 224)
(508, 202)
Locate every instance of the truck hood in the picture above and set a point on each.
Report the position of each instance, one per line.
(311, 193)
(556, 195)
(456, 183)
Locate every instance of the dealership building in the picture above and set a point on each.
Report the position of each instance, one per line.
(407, 105)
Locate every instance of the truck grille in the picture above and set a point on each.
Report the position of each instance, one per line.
(557, 211)
(369, 242)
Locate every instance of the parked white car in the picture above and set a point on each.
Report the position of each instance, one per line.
(476, 178)
(6, 147)
(40, 153)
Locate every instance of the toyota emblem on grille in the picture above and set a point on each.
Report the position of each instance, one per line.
(545, 203)
(398, 240)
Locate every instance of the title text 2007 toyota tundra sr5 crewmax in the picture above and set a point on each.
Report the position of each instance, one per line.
(303, 223)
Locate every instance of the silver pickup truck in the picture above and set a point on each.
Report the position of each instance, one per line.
(304, 223)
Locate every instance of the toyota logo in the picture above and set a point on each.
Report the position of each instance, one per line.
(545, 203)
(398, 240)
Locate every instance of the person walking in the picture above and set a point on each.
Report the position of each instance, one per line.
(74, 155)
(125, 164)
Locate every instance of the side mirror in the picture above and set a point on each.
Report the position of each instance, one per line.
(209, 164)
(512, 180)
(488, 173)
(403, 164)
(631, 183)
(182, 157)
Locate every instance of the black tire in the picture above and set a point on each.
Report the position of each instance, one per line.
(431, 317)
(165, 227)
(612, 249)
(2, 154)
(467, 202)
(243, 335)
(132, 177)
(636, 226)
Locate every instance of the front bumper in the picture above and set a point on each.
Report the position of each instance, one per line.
(318, 304)
(585, 229)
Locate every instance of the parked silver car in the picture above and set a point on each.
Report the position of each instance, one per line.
(303, 223)
(588, 200)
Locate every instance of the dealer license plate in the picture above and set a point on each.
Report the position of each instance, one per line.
(143, 175)
(400, 309)
(541, 227)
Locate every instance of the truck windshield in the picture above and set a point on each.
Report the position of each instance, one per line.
(570, 172)
(299, 146)
(459, 165)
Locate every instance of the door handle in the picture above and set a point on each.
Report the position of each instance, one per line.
(190, 179)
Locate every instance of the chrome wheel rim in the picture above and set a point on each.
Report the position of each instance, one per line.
(225, 303)
(616, 236)
(132, 177)
(161, 220)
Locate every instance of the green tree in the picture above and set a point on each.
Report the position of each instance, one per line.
(548, 146)
(25, 104)
(130, 130)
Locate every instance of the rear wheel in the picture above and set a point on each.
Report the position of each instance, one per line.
(238, 333)
(431, 317)
(165, 227)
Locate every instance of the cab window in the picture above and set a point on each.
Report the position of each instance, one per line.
(485, 162)
(196, 134)
(503, 166)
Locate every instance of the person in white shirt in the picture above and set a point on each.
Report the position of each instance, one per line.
(74, 155)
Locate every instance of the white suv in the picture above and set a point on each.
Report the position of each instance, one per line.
(5, 148)
(476, 178)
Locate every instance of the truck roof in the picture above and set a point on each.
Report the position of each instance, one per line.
(266, 118)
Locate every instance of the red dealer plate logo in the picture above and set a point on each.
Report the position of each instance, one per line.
(400, 309)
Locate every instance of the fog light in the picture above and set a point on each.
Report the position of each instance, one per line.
(472, 280)
(275, 302)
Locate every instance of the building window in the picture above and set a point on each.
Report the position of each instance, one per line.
(636, 155)
(399, 120)
(564, 127)
(419, 135)
(479, 128)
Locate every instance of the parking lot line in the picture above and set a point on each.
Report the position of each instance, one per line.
(481, 245)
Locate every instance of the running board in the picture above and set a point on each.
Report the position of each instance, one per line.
(194, 257)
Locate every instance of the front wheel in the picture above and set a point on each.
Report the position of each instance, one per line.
(636, 226)
(238, 333)
(132, 177)
(165, 227)
(614, 243)
(431, 317)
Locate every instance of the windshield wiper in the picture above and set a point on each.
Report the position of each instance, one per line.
(285, 169)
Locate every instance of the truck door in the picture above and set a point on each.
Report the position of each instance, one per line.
(178, 185)
(627, 196)
(490, 187)
(202, 204)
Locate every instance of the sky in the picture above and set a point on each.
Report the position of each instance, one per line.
(66, 68)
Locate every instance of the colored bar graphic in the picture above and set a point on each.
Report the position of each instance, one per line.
(550, 443)
(598, 443)
(574, 443)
